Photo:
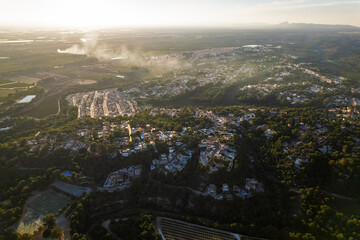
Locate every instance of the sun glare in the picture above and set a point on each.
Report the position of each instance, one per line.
(125, 13)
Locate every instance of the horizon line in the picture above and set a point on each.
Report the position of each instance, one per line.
(239, 26)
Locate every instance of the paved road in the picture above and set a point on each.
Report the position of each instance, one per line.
(114, 188)
(58, 107)
(338, 196)
(296, 190)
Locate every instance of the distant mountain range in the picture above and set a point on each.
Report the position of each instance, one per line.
(310, 26)
(299, 26)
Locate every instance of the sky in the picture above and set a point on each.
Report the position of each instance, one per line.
(194, 13)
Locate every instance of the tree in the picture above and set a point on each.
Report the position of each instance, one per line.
(49, 221)
(25, 236)
(77, 236)
(56, 233)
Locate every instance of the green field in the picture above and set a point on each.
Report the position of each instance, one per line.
(14, 85)
(47, 107)
(7, 87)
(4, 81)
(5, 92)
(37, 207)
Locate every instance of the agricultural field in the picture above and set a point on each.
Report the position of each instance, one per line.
(15, 85)
(46, 108)
(26, 79)
(38, 206)
(5, 92)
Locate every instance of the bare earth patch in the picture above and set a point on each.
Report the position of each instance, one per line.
(84, 81)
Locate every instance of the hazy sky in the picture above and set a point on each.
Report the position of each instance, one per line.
(101, 13)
